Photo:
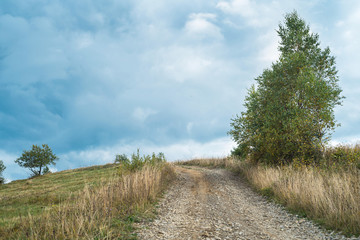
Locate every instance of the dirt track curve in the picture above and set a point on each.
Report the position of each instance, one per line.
(216, 204)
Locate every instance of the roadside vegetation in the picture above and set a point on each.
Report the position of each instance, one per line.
(328, 193)
(283, 134)
(289, 112)
(99, 202)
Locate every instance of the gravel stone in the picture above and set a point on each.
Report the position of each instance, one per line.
(216, 204)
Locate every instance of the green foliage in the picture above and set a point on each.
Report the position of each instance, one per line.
(239, 152)
(122, 159)
(46, 170)
(137, 162)
(289, 112)
(2, 168)
(37, 159)
(342, 156)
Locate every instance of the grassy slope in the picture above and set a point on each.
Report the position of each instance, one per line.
(85, 203)
(21, 197)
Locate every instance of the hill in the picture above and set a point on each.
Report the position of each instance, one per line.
(93, 202)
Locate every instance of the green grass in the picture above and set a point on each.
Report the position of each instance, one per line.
(21, 197)
(87, 203)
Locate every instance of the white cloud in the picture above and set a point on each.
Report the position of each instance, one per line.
(83, 40)
(179, 151)
(347, 43)
(200, 25)
(6, 157)
(209, 16)
(254, 13)
(12, 171)
(189, 127)
(189, 149)
(242, 7)
(348, 140)
(97, 19)
(182, 63)
(346, 46)
(269, 43)
(141, 114)
(92, 156)
(53, 169)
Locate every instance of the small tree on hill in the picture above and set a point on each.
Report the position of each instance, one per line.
(2, 168)
(290, 112)
(122, 159)
(37, 159)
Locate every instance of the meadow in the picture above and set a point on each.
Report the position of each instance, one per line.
(98, 202)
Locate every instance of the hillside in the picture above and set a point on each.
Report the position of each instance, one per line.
(21, 197)
(86, 203)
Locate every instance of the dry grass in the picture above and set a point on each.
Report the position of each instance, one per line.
(21, 197)
(205, 162)
(98, 211)
(332, 197)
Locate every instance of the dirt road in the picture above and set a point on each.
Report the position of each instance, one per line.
(216, 204)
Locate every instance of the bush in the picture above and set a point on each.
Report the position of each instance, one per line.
(122, 159)
(46, 170)
(137, 162)
(2, 168)
(342, 156)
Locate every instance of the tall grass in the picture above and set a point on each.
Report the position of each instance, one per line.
(97, 211)
(330, 195)
(206, 162)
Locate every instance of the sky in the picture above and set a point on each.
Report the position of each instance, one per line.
(93, 79)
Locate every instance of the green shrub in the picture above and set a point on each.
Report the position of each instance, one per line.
(121, 159)
(2, 168)
(137, 161)
(46, 170)
(342, 155)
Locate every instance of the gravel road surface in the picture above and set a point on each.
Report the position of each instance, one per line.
(216, 204)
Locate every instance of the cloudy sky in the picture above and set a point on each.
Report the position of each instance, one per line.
(96, 78)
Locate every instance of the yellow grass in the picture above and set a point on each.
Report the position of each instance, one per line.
(205, 162)
(330, 197)
(97, 211)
